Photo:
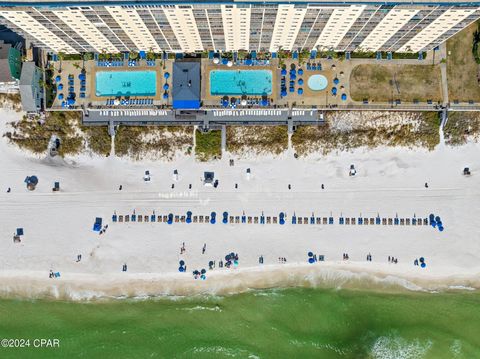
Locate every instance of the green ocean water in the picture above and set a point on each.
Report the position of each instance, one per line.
(290, 323)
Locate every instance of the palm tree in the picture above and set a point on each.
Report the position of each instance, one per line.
(61, 56)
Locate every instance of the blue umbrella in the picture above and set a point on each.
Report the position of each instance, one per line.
(225, 217)
(170, 219)
(264, 102)
(431, 216)
(284, 93)
(166, 87)
(225, 103)
(284, 72)
(166, 75)
(182, 263)
(203, 271)
(310, 254)
(300, 71)
(165, 95)
(181, 269)
(248, 62)
(64, 104)
(224, 61)
(300, 91)
(423, 265)
(300, 82)
(81, 76)
(60, 87)
(334, 90)
(335, 81)
(70, 101)
(213, 216)
(282, 218)
(344, 97)
(60, 96)
(311, 261)
(437, 218)
(440, 228)
(422, 259)
(203, 277)
(293, 72)
(293, 76)
(58, 78)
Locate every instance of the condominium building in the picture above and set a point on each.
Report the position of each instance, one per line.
(193, 26)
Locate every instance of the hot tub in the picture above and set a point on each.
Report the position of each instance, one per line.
(317, 82)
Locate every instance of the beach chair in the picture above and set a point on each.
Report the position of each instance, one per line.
(319, 220)
(396, 221)
(269, 219)
(347, 221)
(133, 217)
(300, 220)
(330, 220)
(425, 221)
(146, 218)
(249, 220)
(244, 219)
(195, 219)
(414, 221)
(120, 218)
(182, 219)
(372, 221)
(353, 221)
(177, 219)
(365, 221)
(402, 221)
(140, 218)
(127, 218)
(384, 221)
(114, 218)
(274, 220)
(419, 222)
(407, 221)
(305, 220)
(165, 219)
(360, 220)
(262, 219)
(159, 219)
(341, 220)
(255, 220)
(232, 219)
(390, 221)
(325, 220)
(237, 219)
(152, 218)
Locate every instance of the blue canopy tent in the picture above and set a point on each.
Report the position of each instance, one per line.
(186, 85)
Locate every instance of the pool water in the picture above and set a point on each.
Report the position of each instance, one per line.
(317, 82)
(126, 83)
(240, 82)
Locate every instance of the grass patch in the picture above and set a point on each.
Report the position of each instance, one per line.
(34, 136)
(259, 139)
(462, 126)
(346, 131)
(140, 141)
(208, 145)
(462, 70)
(11, 100)
(388, 83)
(97, 139)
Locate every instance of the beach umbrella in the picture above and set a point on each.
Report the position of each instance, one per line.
(58, 78)
(300, 91)
(422, 259)
(182, 263)
(203, 277)
(431, 216)
(311, 261)
(284, 72)
(437, 218)
(300, 71)
(70, 101)
(229, 63)
(216, 60)
(60, 96)
(282, 218)
(170, 218)
(433, 223)
(300, 82)
(224, 61)
(81, 76)
(334, 90)
(440, 228)
(60, 87)
(335, 81)
(293, 77)
(203, 271)
(165, 95)
(210, 263)
(166, 75)
(264, 102)
(224, 103)
(284, 93)
(310, 254)
(344, 97)
(423, 265)
(181, 269)
(213, 216)
(166, 87)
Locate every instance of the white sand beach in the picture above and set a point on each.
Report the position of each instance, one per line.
(389, 181)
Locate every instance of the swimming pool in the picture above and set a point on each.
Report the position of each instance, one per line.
(317, 82)
(240, 82)
(126, 83)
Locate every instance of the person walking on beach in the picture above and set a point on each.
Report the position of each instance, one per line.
(204, 248)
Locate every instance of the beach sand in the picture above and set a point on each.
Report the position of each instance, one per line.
(389, 181)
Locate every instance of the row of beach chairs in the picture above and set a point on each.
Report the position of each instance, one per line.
(131, 102)
(274, 220)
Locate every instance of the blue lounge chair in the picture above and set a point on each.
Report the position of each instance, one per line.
(341, 220)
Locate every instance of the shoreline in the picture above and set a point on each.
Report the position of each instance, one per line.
(79, 287)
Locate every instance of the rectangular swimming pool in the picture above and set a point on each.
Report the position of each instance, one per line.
(240, 82)
(126, 83)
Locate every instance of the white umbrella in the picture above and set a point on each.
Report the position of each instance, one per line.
(244, 102)
(116, 102)
(229, 63)
(216, 60)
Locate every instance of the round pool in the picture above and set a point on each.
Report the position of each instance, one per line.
(317, 82)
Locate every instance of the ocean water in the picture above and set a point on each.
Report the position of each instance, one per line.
(290, 323)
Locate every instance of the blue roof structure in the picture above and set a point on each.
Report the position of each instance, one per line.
(186, 85)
